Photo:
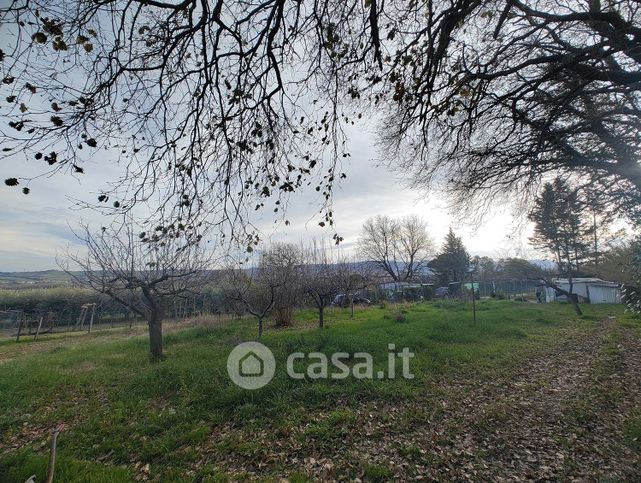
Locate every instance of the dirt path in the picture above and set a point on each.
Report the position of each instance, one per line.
(559, 416)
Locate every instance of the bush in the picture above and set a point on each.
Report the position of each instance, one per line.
(284, 316)
(400, 317)
(632, 292)
(631, 297)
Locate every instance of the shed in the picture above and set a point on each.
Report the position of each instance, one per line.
(604, 293)
(589, 290)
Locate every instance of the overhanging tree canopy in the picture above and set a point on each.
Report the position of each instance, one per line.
(217, 106)
(495, 95)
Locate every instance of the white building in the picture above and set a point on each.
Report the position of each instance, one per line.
(589, 290)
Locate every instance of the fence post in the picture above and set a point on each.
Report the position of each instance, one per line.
(38, 329)
(19, 328)
(93, 311)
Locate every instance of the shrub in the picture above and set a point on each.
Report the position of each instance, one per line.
(284, 316)
(632, 292)
(631, 296)
(400, 317)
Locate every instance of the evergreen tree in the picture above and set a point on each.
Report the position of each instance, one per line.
(453, 262)
(561, 226)
(547, 224)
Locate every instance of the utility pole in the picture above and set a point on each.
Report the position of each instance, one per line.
(473, 295)
(596, 241)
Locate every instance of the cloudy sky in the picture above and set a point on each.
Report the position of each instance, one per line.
(36, 228)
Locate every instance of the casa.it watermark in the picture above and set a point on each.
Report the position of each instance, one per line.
(251, 365)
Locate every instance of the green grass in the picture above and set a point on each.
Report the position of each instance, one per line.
(70, 470)
(122, 409)
(377, 473)
(632, 431)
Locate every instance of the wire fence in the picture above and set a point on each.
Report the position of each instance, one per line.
(16, 322)
(32, 314)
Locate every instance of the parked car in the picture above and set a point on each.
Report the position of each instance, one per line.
(442, 292)
(342, 300)
(362, 301)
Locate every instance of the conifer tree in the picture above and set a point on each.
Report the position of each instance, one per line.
(561, 226)
(453, 262)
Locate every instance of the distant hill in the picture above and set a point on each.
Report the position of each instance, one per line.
(544, 264)
(48, 278)
(42, 278)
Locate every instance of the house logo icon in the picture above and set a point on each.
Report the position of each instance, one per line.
(251, 365)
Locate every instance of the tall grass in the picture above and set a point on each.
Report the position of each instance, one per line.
(119, 403)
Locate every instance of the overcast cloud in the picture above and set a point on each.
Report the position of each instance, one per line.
(36, 227)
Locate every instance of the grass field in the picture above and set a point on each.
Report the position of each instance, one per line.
(182, 419)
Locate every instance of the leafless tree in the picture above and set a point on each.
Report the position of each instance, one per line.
(493, 96)
(400, 247)
(141, 273)
(321, 277)
(253, 290)
(283, 262)
(218, 106)
(353, 277)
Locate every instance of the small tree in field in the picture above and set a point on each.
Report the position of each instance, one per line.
(321, 280)
(251, 290)
(453, 262)
(141, 272)
(283, 262)
(352, 277)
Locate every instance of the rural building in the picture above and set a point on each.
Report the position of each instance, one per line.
(403, 290)
(589, 290)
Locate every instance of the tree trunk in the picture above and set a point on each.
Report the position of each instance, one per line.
(155, 324)
(596, 242)
(260, 326)
(155, 337)
(572, 298)
(351, 304)
(321, 313)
